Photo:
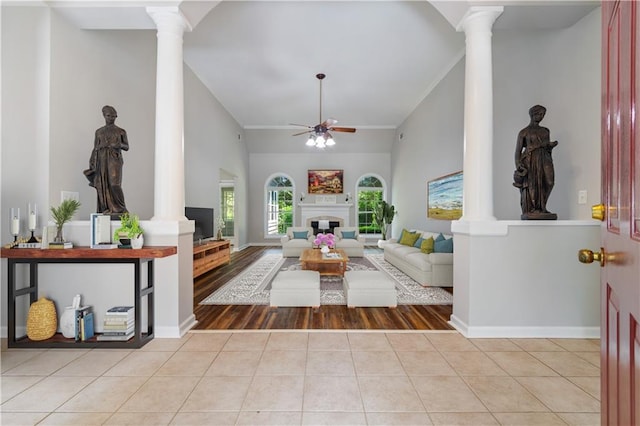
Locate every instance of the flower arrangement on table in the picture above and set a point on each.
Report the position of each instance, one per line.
(325, 242)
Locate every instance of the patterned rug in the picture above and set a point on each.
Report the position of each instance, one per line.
(252, 286)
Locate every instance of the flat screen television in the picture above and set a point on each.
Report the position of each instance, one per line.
(203, 217)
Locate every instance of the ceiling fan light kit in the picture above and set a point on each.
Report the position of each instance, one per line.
(319, 135)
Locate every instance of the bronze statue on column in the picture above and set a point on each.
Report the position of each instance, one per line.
(105, 165)
(534, 174)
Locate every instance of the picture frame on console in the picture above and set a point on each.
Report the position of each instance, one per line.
(444, 197)
(325, 181)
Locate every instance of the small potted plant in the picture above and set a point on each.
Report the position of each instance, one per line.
(130, 232)
(62, 214)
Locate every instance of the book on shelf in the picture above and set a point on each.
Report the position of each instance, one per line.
(117, 329)
(64, 245)
(120, 311)
(104, 246)
(86, 327)
(118, 333)
(101, 231)
(80, 314)
(121, 338)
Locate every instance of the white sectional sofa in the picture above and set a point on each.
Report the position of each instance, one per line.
(348, 239)
(429, 269)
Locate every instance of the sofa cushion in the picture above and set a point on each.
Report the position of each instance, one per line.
(351, 235)
(408, 238)
(444, 246)
(300, 235)
(427, 245)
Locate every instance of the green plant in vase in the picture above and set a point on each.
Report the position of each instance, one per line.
(383, 215)
(129, 229)
(62, 214)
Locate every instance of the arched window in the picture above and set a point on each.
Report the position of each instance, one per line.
(279, 201)
(370, 192)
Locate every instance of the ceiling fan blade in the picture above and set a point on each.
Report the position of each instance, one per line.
(329, 122)
(302, 133)
(301, 125)
(343, 129)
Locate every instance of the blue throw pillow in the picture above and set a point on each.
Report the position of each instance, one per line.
(349, 235)
(419, 242)
(443, 246)
(301, 235)
(440, 237)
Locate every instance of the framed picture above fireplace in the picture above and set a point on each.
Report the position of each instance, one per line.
(325, 181)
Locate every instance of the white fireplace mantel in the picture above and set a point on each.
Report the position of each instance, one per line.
(315, 210)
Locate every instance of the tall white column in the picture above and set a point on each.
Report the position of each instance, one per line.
(169, 149)
(478, 114)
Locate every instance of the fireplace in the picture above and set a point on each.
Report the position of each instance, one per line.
(319, 227)
(311, 212)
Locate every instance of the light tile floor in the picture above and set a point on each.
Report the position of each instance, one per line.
(307, 378)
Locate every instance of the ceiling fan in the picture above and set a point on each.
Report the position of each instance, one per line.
(319, 135)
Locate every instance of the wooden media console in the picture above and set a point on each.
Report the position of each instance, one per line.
(210, 255)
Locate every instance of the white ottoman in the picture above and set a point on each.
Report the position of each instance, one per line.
(296, 288)
(369, 288)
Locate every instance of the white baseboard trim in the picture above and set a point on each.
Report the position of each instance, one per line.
(524, 331)
(176, 332)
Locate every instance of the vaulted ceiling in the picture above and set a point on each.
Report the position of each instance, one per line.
(381, 58)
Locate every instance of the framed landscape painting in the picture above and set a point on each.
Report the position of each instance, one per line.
(325, 181)
(444, 197)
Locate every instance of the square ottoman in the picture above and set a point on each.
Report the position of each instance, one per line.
(295, 288)
(369, 288)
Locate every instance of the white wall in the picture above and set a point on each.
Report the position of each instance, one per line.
(55, 82)
(558, 69)
(90, 69)
(431, 146)
(561, 71)
(213, 141)
(263, 166)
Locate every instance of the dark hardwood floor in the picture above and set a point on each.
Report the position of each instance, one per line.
(254, 317)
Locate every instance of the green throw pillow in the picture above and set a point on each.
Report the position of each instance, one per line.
(427, 245)
(445, 246)
(408, 238)
(349, 235)
(301, 235)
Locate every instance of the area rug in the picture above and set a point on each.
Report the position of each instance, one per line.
(252, 286)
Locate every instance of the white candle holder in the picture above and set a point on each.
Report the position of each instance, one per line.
(14, 223)
(32, 215)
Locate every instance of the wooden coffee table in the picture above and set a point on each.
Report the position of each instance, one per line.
(313, 260)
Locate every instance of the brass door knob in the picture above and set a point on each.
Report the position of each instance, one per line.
(597, 212)
(587, 256)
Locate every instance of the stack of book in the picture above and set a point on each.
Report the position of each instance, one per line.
(119, 324)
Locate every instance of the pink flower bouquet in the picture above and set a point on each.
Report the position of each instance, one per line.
(325, 240)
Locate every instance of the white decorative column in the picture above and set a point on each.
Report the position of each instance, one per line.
(478, 114)
(169, 150)
(174, 274)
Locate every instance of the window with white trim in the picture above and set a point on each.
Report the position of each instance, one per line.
(279, 201)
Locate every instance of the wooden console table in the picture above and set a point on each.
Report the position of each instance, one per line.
(34, 257)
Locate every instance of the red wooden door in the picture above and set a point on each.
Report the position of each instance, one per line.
(620, 282)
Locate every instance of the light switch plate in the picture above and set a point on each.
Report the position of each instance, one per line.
(582, 196)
